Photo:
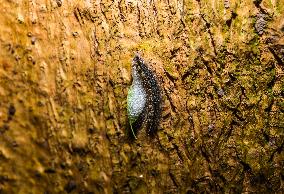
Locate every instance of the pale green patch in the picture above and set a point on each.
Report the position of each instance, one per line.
(130, 117)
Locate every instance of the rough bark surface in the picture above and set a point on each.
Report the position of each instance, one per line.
(64, 77)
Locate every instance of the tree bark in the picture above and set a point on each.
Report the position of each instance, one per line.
(65, 69)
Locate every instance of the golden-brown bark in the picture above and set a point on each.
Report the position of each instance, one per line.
(64, 76)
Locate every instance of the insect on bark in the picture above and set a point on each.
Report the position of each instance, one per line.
(144, 98)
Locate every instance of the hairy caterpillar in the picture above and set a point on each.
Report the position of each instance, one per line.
(144, 98)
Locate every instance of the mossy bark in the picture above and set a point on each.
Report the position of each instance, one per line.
(64, 77)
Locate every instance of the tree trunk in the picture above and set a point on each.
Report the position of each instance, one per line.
(65, 69)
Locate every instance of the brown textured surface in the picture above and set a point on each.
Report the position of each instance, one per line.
(64, 74)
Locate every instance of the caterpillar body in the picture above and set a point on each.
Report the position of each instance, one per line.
(144, 98)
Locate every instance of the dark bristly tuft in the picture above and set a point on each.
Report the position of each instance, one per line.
(152, 111)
